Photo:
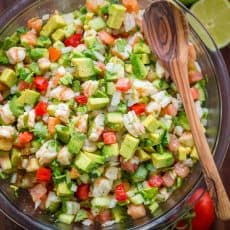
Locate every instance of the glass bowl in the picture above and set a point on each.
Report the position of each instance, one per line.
(21, 210)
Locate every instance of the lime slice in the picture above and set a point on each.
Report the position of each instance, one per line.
(215, 16)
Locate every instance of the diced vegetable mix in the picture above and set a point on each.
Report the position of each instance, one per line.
(90, 122)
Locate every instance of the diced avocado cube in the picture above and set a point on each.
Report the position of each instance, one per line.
(110, 88)
(119, 213)
(8, 77)
(5, 162)
(15, 157)
(63, 133)
(83, 162)
(65, 218)
(76, 142)
(102, 202)
(160, 84)
(58, 35)
(54, 22)
(143, 156)
(95, 157)
(52, 202)
(3, 58)
(153, 207)
(157, 136)
(70, 29)
(194, 154)
(116, 16)
(140, 174)
(37, 53)
(51, 109)
(137, 199)
(110, 150)
(129, 146)
(97, 103)
(43, 41)
(114, 121)
(141, 48)
(97, 23)
(81, 215)
(144, 58)
(139, 68)
(128, 68)
(183, 152)
(200, 86)
(162, 160)
(84, 67)
(63, 189)
(29, 97)
(16, 108)
(58, 45)
(151, 123)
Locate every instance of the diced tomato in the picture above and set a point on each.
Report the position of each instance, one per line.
(41, 84)
(41, 108)
(83, 191)
(81, 99)
(35, 23)
(54, 54)
(194, 76)
(106, 38)
(169, 110)
(25, 137)
(155, 181)
(131, 5)
(123, 84)
(43, 175)
(138, 108)
(74, 40)
(182, 225)
(52, 122)
(120, 192)
(109, 138)
(22, 85)
(195, 93)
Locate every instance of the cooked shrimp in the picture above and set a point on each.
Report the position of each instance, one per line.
(62, 112)
(89, 87)
(144, 88)
(6, 115)
(29, 38)
(89, 146)
(97, 128)
(136, 211)
(16, 55)
(35, 23)
(26, 120)
(7, 132)
(64, 156)
(62, 93)
(101, 187)
(81, 123)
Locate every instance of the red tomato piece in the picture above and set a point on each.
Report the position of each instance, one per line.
(155, 181)
(74, 40)
(195, 93)
(22, 85)
(120, 192)
(25, 137)
(41, 108)
(204, 210)
(41, 84)
(109, 138)
(81, 99)
(123, 84)
(43, 175)
(138, 108)
(83, 191)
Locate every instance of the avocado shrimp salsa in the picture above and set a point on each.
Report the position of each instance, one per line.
(90, 123)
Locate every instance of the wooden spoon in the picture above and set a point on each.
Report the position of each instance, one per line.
(166, 30)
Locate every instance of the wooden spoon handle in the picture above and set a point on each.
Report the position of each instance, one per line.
(211, 175)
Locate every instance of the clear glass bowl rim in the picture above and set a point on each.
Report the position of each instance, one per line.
(27, 222)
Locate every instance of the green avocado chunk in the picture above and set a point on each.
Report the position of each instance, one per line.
(29, 97)
(63, 133)
(110, 150)
(151, 123)
(15, 107)
(97, 23)
(76, 142)
(63, 189)
(8, 77)
(84, 162)
(139, 68)
(84, 67)
(54, 22)
(116, 16)
(129, 146)
(114, 121)
(162, 160)
(97, 103)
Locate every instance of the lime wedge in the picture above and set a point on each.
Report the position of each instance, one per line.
(215, 16)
